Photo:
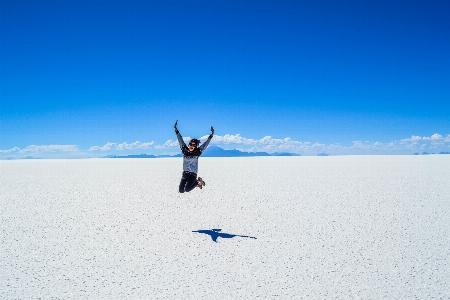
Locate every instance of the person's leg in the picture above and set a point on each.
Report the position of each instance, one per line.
(191, 183)
(183, 181)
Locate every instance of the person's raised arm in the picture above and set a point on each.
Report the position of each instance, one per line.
(206, 143)
(175, 126)
(179, 137)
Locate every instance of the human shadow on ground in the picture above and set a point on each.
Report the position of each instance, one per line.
(216, 233)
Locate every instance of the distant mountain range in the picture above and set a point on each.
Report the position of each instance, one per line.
(426, 153)
(214, 151)
(323, 154)
(131, 156)
(211, 151)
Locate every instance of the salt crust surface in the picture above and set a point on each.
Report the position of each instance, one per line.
(349, 227)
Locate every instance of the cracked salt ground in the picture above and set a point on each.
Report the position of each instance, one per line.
(366, 227)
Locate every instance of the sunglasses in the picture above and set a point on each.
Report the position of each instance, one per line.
(192, 144)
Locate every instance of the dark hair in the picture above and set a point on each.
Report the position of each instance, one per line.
(195, 141)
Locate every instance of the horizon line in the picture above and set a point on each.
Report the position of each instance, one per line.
(436, 143)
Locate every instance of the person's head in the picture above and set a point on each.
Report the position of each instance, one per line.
(193, 144)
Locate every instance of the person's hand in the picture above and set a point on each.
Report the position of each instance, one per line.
(212, 130)
(175, 126)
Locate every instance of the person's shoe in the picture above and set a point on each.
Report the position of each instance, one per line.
(199, 184)
(200, 180)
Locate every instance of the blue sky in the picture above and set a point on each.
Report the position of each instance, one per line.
(91, 78)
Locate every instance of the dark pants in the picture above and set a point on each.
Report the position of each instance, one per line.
(188, 182)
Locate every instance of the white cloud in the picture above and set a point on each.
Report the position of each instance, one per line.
(436, 137)
(414, 139)
(42, 148)
(124, 146)
(168, 144)
(106, 147)
(42, 151)
(265, 144)
(12, 150)
(134, 146)
(229, 139)
(266, 141)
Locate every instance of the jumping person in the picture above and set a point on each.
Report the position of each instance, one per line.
(191, 153)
